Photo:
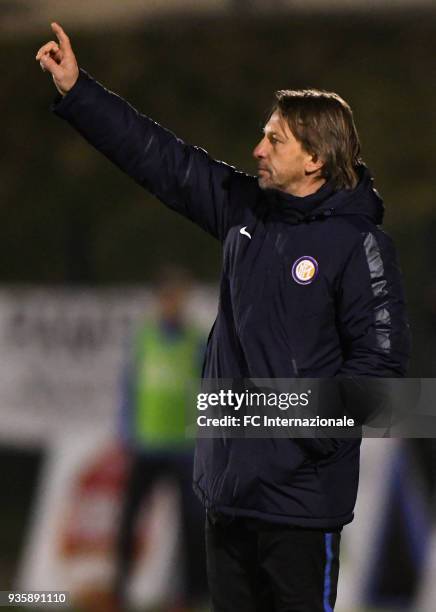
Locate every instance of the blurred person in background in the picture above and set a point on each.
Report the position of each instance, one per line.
(310, 288)
(164, 354)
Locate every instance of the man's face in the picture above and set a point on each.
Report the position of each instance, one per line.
(172, 299)
(282, 162)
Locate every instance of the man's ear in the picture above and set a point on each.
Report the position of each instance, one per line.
(313, 164)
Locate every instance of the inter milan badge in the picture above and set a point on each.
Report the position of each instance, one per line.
(305, 270)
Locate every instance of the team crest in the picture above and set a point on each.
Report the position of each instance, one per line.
(305, 270)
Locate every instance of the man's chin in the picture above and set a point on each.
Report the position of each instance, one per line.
(263, 182)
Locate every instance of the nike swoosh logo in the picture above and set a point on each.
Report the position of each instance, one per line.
(244, 232)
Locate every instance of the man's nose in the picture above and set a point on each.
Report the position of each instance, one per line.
(259, 151)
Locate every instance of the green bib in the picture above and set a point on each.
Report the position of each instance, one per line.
(164, 367)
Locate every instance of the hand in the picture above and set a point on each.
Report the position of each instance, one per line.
(59, 60)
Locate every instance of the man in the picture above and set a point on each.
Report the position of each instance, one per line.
(310, 287)
(164, 352)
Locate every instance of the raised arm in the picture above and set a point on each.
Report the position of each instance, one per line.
(184, 177)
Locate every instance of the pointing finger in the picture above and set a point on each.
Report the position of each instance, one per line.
(63, 39)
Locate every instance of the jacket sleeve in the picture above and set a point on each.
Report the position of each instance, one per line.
(371, 314)
(184, 177)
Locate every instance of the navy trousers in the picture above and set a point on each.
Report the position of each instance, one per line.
(255, 566)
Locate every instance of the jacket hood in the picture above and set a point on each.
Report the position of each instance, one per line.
(363, 200)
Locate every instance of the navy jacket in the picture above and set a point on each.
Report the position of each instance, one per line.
(347, 317)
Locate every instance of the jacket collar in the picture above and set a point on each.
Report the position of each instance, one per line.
(363, 200)
(294, 209)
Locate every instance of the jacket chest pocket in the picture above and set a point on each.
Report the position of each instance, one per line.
(248, 265)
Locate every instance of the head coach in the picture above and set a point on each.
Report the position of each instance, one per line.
(310, 287)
